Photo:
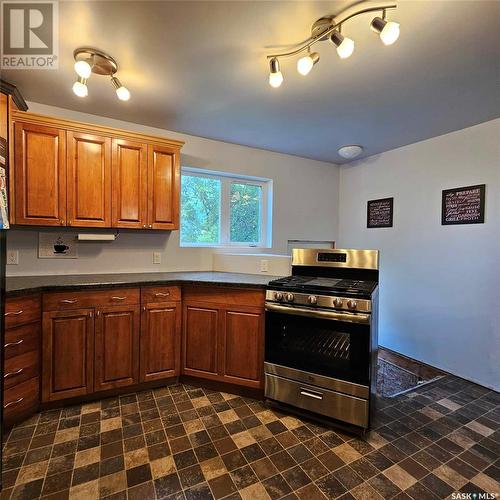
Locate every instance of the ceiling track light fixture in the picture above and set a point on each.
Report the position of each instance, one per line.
(89, 60)
(329, 28)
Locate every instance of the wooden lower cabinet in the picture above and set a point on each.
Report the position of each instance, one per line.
(68, 354)
(160, 341)
(201, 338)
(116, 347)
(223, 335)
(243, 346)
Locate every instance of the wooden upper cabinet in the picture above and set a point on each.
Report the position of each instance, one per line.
(67, 173)
(129, 181)
(88, 180)
(163, 187)
(40, 177)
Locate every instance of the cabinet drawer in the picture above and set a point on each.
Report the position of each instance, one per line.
(20, 399)
(22, 339)
(22, 310)
(63, 301)
(160, 294)
(20, 368)
(224, 296)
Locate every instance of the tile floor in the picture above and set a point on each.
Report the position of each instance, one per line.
(183, 442)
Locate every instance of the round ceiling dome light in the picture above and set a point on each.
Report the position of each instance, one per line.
(350, 152)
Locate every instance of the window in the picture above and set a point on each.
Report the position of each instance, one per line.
(220, 210)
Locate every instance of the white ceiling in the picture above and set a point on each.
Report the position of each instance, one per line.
(200, 68)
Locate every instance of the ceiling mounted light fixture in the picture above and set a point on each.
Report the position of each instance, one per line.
(345, 46)
(350, 152)
(388, 31)
(305, 64)
(329, 28)
(89, 60)
(275, 76)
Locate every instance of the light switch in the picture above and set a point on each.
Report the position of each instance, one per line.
(156, 257)
(264, 266)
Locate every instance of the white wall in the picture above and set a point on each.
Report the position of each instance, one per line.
(440, 285)
(302, 189)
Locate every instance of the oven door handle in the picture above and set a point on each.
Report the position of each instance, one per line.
(363, 319)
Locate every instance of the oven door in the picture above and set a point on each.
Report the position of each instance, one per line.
(327, 343)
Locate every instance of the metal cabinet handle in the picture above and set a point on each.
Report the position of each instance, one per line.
(151, 225)
(11, 344)
(118, 298)
(68, 301)
(309, 394)
(160, 294)
(14, 313)
(144, 226)
(10, 403)
(13, 374)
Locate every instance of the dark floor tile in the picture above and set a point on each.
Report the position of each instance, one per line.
(282, 460)
(331, 460)
(364, 468)
(218, 432)
(235, 427)
(111, 450)
(134, 443)
(205, 452)
(85, 474)
(414, 468)
(180, 444)
(419, 492)
(38, 455)
(111, 465)
(300, 453)
(138, 475)
(437, 486)
(27, 491)
(198, 492)
(384, 486)
(191, 476)
(243, 477)
(296, 477)
(233, 460)
(276, 486)
(287, 439)
(252, 452)
(330, 486)
(199, 438)
(276, 427)
(222, 486)
(167, 485)
(264, 468)
(57, 482)
(423, 458)
(347, 477)
(61, 464)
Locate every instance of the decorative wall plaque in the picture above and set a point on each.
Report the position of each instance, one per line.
(380, 213)
(463, 205)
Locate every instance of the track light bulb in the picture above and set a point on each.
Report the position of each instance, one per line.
(122, 92)
(345, 46)
(83, 69)
(305, 64)
(275, 76)
(80, 87)
(388, 30)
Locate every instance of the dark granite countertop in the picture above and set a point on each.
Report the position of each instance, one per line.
(16, 285)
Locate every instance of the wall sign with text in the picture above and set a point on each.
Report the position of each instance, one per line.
(380, 213)
(463, 205)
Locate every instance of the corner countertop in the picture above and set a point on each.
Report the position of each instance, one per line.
(16, 285)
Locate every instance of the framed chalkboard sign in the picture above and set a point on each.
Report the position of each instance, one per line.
(380, 213)
(463, 205)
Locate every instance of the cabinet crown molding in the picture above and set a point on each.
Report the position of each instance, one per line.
(77, 126)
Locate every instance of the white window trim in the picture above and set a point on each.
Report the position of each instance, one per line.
(226, 180)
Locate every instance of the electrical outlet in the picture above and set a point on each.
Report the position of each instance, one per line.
(264, 266)
(12, 257)
(156, 258)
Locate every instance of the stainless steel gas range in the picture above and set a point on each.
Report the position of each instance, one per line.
(321, 335)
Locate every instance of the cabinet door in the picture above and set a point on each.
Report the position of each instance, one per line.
(129, 184)
(116, 347)
(68, 346)
(40, 175)
(89, 180)
(160, 341)
(163, 187)
(243, 346)
(201, 324)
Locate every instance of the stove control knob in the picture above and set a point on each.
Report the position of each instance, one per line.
(337, 302)
(312, 299)
(290, 297)
(278, 296)
(352, 304)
